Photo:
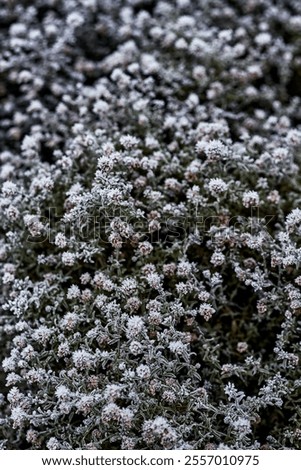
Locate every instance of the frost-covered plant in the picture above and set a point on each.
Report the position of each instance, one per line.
(150, 224)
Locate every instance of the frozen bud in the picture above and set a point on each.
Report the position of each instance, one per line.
(85, 278)
(261, 306)
(50, 29)
(184, 288)
(217, 186)
(181, 44)
(154, 280)
(75, 19)
(12, 379)
(186, 4)
(298, 280)
(112, 392)
(294, 137)
(63, 393)
(115, 240)
(73, 292)
(214, 149)
(169, 396)
(85, 404)
(148, 268)
(242, 346)
(63, 349)
(25, 76)
(199, 73)
(9, 189)
(153, 215)
(33, 224)
(127, 416)
(53, 444)
(149, 64)
(145, 248)
(9, 364)
(184, 269)
(169, 269)
(99, 279)
(242, 425)
(83, 360)
(159, 428)
(274, 197)
(154, 226)
(18, 416)
(143, 371)
(28, 353)
(293, 220)
(108, 285)
(42, 334)
(100, 300)
(177, 347)
(129, 141)
(215, 90)
(128, 286)
(263, 39)
(69, 321)
(7, 278)
(172, 184)
(217, 259)
(128, 443)
(206, 311)
(101, 107)
(32, 436)
(133, 304)
(93, 382)
(135, 326)
(12, 213)
(250, 198)
(203, 296)
(255, 71)
(136, 348)
(295, 305)
(30, 146)
(89, 3)
(140, 182)
(17, 30)
(68, 258)
(110, 412)
(60, 240)
(151, 142)
(14, 396)
(86, 295)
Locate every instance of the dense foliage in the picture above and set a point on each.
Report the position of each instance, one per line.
(150, 224)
